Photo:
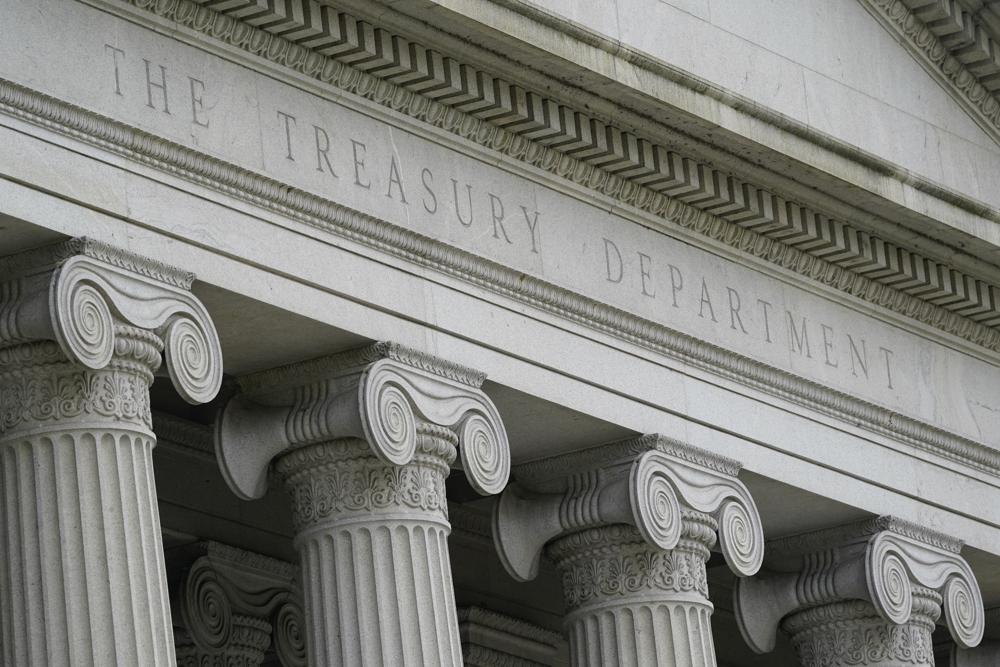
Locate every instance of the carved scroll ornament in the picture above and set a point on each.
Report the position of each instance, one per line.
(81, 292)
(647, 491)
(379, 402)
(881, 568)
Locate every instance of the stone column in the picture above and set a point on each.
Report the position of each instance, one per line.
(82, 330)
(231, 605)
(630, 526)
(363, 442)
(868, 593)
(987, 654)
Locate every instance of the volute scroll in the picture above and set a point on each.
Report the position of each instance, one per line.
(377, 394)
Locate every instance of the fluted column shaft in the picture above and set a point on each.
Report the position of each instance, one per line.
(372, 541)
(83, 328)
(632, 604)
(82, 578)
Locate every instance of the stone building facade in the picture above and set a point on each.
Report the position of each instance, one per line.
(500, 332)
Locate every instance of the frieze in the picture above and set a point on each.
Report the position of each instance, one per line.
(417, 247)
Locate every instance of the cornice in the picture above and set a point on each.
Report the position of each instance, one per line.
(339, 49)
(953, 47)
(331, 217)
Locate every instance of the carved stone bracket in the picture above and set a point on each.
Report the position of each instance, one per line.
(233, 604)
(376, 394)
(987, 654)
(643, 482)
(885, 564)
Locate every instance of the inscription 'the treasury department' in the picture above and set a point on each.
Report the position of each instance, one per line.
(374, 161)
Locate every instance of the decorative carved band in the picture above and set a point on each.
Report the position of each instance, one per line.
(337, 479)
(341, 50)
(615, 562)
(381, 402)
(642, 483)
(870, 561)
(97, 303)
(844, 634)
(232, 604)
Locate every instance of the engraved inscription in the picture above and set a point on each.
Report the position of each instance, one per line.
(318, 146)
(751, 315)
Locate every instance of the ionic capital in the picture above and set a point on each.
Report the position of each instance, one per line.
(233, 604)
(90, 298)
(884, 562)
(645, 482)
(377, 394)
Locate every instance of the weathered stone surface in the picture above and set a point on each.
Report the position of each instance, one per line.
(288, 135)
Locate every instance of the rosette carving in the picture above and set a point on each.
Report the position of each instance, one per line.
(644, 483)
(880, 563)
(82, 301)
(381, 402)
